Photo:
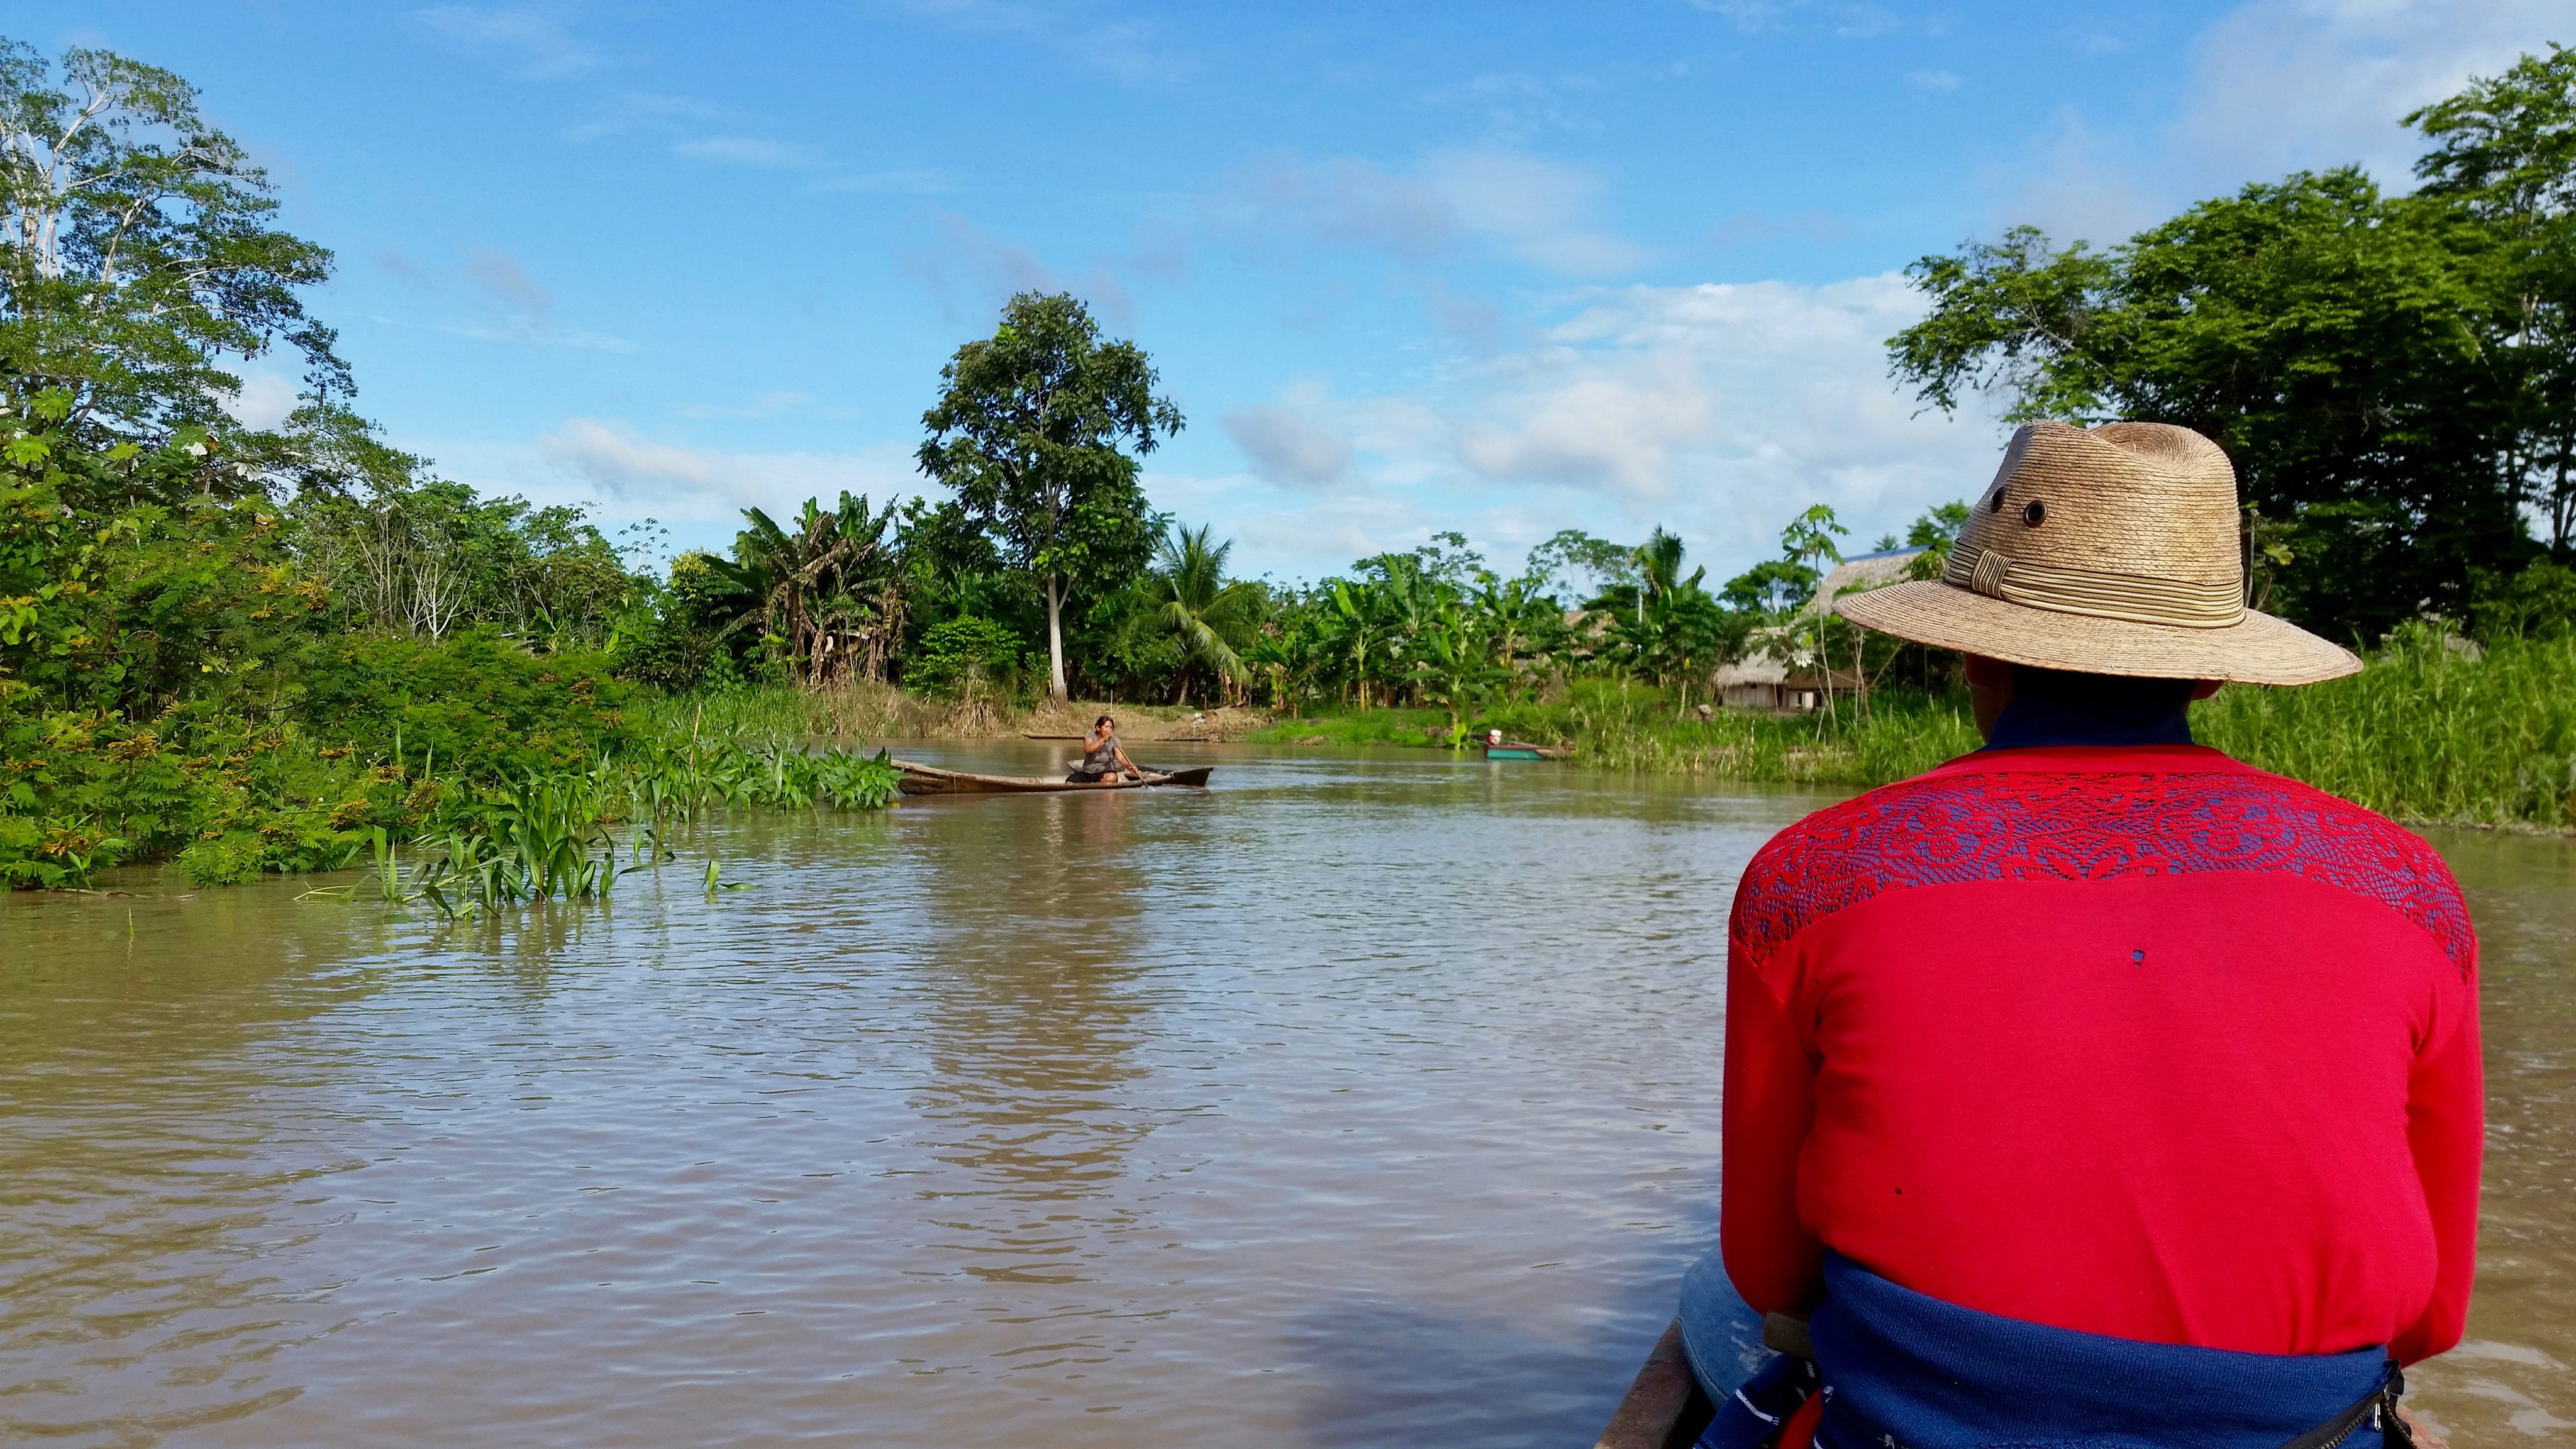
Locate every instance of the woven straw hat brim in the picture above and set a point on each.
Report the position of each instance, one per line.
(2258, 650)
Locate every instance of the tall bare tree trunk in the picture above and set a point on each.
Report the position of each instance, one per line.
(1055, 638)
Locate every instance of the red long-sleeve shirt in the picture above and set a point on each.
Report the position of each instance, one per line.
(2136, 1041)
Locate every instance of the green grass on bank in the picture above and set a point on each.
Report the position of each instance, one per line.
(2435, 730)
(1631, 727)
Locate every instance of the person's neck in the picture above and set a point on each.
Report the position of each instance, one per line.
(2033, 720)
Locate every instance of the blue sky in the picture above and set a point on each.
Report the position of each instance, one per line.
(1502, 268)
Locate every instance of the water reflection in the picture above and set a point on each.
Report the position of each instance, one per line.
(1037, 1012)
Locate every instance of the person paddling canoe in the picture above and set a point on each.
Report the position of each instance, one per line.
(1102, 756)
(2094, 1088)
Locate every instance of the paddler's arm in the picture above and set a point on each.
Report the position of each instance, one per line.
(2446, 1133)
(1770, 1105)
(1127, 764)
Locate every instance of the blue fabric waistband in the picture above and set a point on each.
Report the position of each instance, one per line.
(1903, 1369)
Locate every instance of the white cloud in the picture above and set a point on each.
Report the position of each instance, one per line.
(2276, 86)
(629, 474)
(264, 401)
(1596, 422)
(1718, 410)
(2284, 84)
(1933, 80)
(525, 41)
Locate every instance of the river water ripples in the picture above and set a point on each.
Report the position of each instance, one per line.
(1356, 1101)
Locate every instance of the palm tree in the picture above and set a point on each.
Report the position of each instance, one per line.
(1204, 612)
(827, 591)
(1354, 634)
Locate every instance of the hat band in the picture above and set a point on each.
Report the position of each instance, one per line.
(2130, 597)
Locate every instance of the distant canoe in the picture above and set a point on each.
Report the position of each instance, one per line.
(1526, 752)
(931, 780)
(1664, 1408)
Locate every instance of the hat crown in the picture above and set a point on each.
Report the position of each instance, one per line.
(2149, 500)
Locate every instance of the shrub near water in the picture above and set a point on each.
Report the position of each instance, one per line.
(2434, 730)
(476, 703)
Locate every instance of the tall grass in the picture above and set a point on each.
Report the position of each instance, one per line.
(1620, 725)
(1632, 728)
(2435, 730)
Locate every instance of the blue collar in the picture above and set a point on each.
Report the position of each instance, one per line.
(2051, 719)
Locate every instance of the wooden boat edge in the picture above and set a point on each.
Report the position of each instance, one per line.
(1664, 1408)
(921, 779)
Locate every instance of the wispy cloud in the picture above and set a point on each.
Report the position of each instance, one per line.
(1289, 443)
(753, 151)
(523, 40)
(1527, 207)
(502, 301)
(826, 172)
(905, 182)
(623, 112)
(1933, 80)
(972, 272)
(2278, 84)
(1850, 19)
(629, 472)
(1130, 50)
(2274, 86)
(1517, 106)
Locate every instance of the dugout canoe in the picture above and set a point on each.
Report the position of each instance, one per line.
(1664, 1408)
(1526, 752)
(921, 779)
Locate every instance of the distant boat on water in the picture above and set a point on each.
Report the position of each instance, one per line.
(919, 779)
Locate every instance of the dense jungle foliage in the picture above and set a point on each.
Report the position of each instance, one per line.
(294, 647)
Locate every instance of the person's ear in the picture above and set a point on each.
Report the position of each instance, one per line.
(1984, 672)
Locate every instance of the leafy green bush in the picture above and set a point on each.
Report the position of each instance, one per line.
(476, 704)
(229, 859)
(965, 652)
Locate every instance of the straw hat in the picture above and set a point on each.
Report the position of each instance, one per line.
(2108, 550)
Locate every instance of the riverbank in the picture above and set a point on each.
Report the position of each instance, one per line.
(419, 739)
(2436, 730)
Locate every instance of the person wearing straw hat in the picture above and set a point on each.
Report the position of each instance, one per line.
(2094, 1088)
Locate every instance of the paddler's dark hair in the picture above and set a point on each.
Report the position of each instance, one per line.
(1104, 719)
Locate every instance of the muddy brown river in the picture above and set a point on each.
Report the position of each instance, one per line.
(1361, 1100)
